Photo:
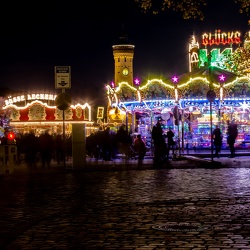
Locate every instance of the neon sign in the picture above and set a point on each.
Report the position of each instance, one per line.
(221, 38)
(28, 97)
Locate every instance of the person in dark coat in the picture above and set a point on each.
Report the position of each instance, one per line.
(217, 136)
(140, 149)
(59, 148)
(98, 144)
(123, 141)
(107, 144)
(170, 137)
(232, 133)
(160, 147)
(31, 149)
(46, 145)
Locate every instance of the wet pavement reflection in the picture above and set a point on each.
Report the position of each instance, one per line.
(126, 209)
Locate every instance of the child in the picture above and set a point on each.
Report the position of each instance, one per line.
(140, 148)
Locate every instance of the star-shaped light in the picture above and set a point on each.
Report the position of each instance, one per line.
(137, 82)
(222, 78)
(112, 84)
(175, 79)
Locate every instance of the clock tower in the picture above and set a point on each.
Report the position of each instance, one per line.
(123, 55)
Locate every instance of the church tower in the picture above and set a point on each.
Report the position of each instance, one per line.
(123, 56)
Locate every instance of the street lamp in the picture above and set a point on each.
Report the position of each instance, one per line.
(222, 79)
(175, 80)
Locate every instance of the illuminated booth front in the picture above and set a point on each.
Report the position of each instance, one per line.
(140, 107)
(39, 112)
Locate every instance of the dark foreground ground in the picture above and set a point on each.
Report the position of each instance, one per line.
(184, 205)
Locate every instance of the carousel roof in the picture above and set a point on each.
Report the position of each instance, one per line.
(211, 72)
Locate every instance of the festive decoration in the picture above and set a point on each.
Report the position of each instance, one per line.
(11, 136)
(222, 78)
(137, 82)
(175, 79)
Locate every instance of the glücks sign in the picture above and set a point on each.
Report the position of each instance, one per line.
(62, 77)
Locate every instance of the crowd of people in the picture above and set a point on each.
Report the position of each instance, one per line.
(231, 135)
(107, 144)
(44, 149)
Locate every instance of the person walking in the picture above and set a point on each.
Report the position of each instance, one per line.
(232, 133)
(217, 137)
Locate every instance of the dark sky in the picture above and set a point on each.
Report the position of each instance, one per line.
(36, 36)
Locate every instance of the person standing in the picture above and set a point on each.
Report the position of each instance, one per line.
(59, 148)
(232, 133)
(123, 141)
(31, 148)
(107, 144)
(140, 148)
(159, 143)
(46, 144)
(217, 136)
(170, 137)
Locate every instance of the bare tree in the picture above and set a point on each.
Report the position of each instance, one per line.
(190, 9)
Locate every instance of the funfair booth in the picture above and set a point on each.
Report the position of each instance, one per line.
(39, 112)
(184, 107)
(182, 100)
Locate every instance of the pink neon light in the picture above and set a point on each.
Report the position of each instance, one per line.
(137, 81)
(175, 79)
(222, 78)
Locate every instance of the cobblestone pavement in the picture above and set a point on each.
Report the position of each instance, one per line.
(192, 208)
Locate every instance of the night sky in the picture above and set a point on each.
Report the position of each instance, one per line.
(36, 36)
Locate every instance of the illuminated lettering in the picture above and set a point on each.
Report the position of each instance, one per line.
(22, 98)
(221, 38)
(205, 39)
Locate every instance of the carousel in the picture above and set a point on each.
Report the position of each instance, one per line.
(184, 106)
(220, 65)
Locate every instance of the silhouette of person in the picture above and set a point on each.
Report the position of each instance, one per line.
(170, 137)
(46, 144)
(217, 136)
(232, 133)
(140, 148)
(159, 142)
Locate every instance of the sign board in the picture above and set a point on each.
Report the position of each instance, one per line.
(62, 77)
(100, 112)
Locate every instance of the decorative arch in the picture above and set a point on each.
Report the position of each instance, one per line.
(240, 87)
(157, 89)
(126, 92)
(194, 88)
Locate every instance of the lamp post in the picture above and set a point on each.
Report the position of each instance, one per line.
(63, 102)
(222, 79)
(175, 80)
(211, 95)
